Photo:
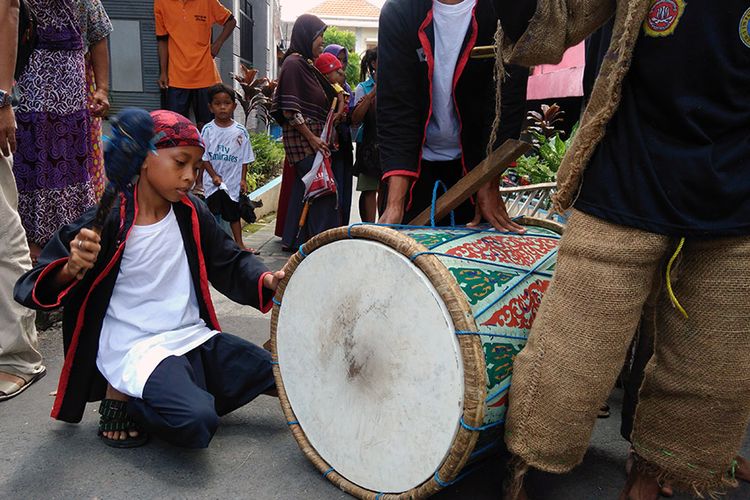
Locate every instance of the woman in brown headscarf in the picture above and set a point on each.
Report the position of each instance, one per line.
(301, 103)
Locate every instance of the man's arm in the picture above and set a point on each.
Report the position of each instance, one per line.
(8, 46)
(100, 64)
(399, 115)
(228, 28)
(163, 42)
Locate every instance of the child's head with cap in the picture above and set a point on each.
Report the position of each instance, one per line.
(172, 170)
(331, 67)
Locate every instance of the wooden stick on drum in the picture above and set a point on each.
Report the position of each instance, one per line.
(483, 52)
(490, 168)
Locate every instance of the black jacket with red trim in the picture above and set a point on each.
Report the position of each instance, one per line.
(212, 256)
(405, 65)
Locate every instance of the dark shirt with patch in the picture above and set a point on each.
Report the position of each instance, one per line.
(675, 159)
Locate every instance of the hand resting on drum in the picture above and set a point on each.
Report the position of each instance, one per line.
(271, 280)
(491, 207)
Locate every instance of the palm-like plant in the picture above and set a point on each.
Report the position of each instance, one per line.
(545, 123)
(256, 95)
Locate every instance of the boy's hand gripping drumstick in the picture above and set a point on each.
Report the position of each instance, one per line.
(124, 153)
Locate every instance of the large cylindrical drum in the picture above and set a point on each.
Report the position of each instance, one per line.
(393, 348)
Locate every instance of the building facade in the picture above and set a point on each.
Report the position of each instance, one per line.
(134, 66)
(358, 16)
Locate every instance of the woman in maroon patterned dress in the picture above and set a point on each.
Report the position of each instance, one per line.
(52, 162)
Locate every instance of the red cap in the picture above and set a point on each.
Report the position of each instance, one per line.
(327, 63)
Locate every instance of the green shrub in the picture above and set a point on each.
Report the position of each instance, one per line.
(269, 157)
(541, 164)
(346, 39)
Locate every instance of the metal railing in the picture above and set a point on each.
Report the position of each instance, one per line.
(534, 200)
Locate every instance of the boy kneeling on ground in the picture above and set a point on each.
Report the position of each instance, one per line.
(139, 327)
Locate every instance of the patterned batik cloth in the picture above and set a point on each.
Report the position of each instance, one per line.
(96, 172)
(52, 163)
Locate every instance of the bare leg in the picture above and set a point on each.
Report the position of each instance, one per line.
(666, 488)
(113, 393)
(367, 206)
(237, 234)
(742, 472)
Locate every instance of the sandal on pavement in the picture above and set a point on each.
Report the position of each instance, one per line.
(114, 418)
(11, 389)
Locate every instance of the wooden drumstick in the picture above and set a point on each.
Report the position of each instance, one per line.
(489, 169)
(483, 52)
(124, 153)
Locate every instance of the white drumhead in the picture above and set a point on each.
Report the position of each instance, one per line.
(371, 364)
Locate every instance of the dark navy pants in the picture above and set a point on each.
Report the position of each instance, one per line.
(449, 173)
(185, 395)
(181, 100)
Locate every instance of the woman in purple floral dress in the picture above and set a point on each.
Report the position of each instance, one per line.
(52, 162)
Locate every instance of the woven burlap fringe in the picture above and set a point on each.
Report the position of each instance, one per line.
(714, 489)
(590, 312)
(499, 78)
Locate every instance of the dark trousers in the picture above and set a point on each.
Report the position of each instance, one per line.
(341, 163)
(324, 212)
(181, 100)
(449, 173)
(185, 395)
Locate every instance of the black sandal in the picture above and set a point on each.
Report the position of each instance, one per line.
(114, 418)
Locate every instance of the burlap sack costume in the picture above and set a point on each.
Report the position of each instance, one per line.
(695, 399)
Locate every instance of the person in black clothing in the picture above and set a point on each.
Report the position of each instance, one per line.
(139, 328)
(436, 105)
(364, 115)
(657, 182)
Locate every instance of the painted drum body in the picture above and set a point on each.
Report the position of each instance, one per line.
(394, 348)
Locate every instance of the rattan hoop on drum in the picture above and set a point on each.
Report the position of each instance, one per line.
(460, 316)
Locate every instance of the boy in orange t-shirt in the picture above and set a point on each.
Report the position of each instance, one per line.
(186, 52)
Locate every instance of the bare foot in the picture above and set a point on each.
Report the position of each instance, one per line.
(742, 472)
(640, 486)
(113, 393)
(34, 252)
(666, 489)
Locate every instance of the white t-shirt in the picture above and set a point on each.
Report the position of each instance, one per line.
(451, 22)
(153, 312)
(227, 148)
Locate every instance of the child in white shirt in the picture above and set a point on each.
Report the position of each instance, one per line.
(226, 159)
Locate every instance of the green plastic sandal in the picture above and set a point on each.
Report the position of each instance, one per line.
(115, 418)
